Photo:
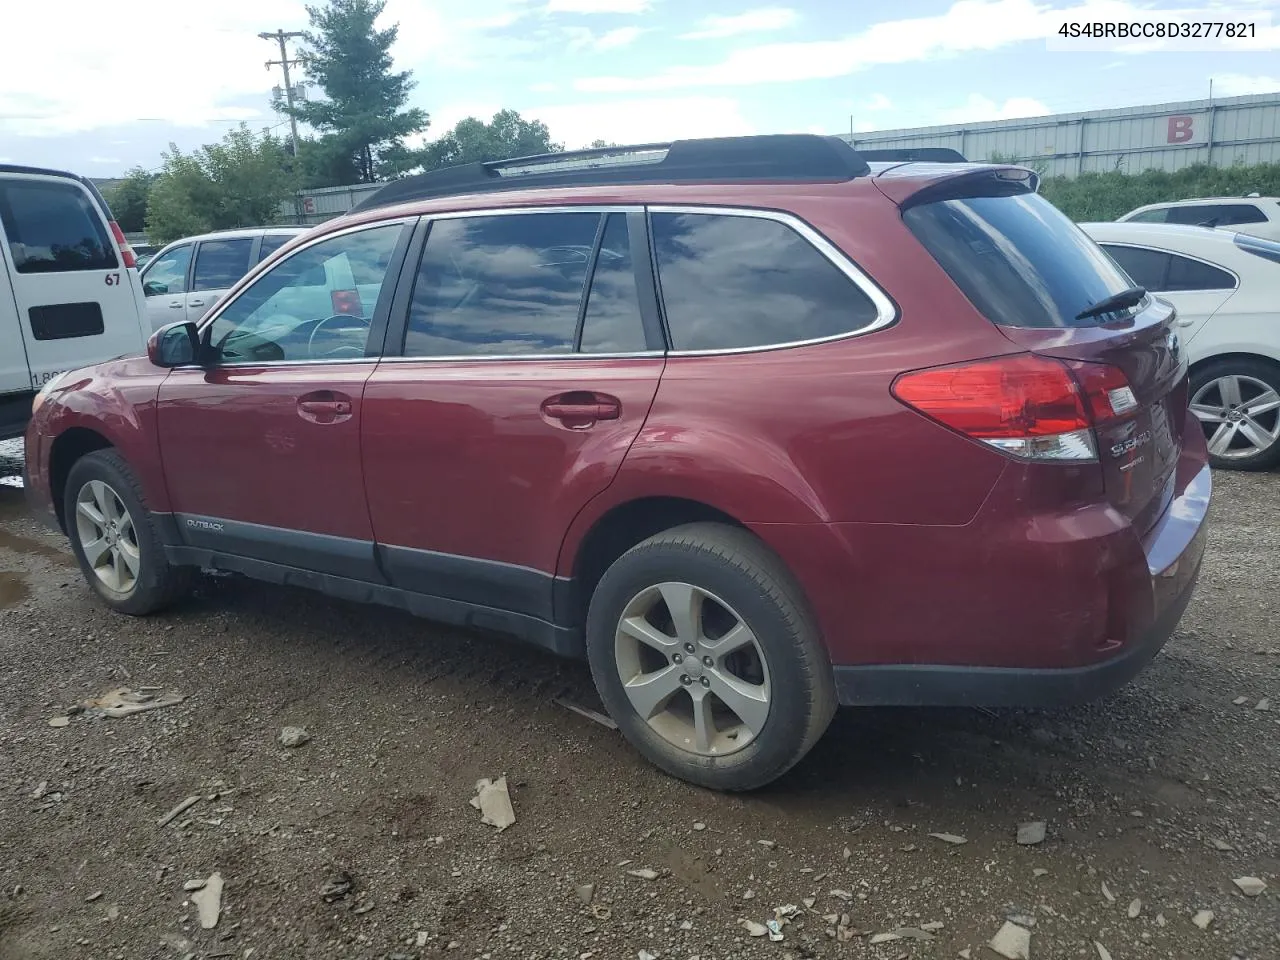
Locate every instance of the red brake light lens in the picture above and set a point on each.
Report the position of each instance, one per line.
(1018, 396)
(1031, 407)
(126, 251)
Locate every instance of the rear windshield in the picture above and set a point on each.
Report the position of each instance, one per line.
(1019, 260)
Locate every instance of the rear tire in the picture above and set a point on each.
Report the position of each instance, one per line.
(115, 538)
(731, 693)
(1232, 399)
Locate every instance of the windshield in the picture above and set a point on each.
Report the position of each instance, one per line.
(1019, 260)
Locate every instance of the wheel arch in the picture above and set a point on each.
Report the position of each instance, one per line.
(1230, 355)
(69, 447)
(597, 544)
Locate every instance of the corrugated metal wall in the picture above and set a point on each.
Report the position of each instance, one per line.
(1166, 136)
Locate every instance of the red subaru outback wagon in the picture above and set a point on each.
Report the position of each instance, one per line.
(756, 426)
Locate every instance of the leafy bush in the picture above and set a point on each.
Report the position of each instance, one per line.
(1106, 196)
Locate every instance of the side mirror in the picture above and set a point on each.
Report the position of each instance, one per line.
(175, 345)
(154, 288)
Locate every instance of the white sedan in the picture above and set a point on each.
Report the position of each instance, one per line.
(1226, 288)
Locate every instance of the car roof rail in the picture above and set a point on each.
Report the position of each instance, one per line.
(913, 154)
(799, 158)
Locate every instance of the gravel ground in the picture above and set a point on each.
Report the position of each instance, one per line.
(1155, 800)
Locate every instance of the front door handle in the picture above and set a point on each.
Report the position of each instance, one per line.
(324, 406)
(580, 409)
(1187, 323)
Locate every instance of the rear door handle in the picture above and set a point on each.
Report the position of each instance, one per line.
(195, 303)
(176, 305)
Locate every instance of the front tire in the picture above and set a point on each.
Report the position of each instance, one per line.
(707, 656)
(115, 539)
(1237, 402)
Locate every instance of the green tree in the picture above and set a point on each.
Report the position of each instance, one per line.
(238, 182)
(506, 136)
(128, 199)
(364, 101)
(327, 161)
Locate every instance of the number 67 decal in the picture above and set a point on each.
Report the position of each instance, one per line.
(113, 279)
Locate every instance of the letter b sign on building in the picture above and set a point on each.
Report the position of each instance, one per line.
(1180, 129)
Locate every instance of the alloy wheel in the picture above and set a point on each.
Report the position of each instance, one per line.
(1240, 416)
(693, 669)
(107, 536)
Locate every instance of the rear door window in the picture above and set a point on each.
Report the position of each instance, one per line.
(54, 228)
(272, 242)
(1151, 216)
(220, 263)
(1018, 259)
(501, 285)
(731, 282)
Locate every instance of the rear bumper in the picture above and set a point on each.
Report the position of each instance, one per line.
(951, 686)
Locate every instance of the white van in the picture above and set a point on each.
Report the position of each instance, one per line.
(69, 289)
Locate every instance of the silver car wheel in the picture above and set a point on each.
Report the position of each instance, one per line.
(692, 669)
(1240, 416)
(108, 537)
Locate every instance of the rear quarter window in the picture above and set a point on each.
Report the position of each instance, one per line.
(738, 281)
(1018, 259)
(54, 228)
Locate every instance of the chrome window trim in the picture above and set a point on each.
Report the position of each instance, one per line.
(886, 310)
(254, 274)
(1175, 253)
(490, 357)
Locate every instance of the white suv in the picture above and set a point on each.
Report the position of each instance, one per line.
(69, 291)
(1252, 215)
(185, 279)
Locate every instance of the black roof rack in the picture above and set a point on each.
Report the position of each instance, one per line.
(910, 154)
(798, 158)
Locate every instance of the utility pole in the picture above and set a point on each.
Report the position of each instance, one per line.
(283, 37)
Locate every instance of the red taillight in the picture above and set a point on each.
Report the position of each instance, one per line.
(126, 251)
(1026, 405)
(1106, 390)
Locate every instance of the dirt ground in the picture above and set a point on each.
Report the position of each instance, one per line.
(1155, 799)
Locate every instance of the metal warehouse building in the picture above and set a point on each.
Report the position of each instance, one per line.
(1166, 136)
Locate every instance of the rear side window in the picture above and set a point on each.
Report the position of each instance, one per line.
(1216, 214)
(1019, 260)
(501, 285)
(740, 281)
(54, 228)
(220, 263)
(1147, 268)
(1188, 274)
(66, 321)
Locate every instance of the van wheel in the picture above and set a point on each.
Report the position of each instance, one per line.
(1238, 404)
(116, 540)
(706, 655)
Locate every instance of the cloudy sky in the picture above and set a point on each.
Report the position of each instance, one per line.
(98, 88)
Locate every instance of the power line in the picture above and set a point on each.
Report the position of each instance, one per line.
(284, 63)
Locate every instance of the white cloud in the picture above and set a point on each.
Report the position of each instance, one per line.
(1239, 84)
(753, 21)
(649, 120)
(877, 102)
(978, 108)
(597, 6)
(967, 26)
(621, 37)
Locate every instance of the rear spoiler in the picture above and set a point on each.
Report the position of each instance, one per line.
(909, 186)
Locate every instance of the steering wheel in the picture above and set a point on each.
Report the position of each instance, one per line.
(344, 349)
